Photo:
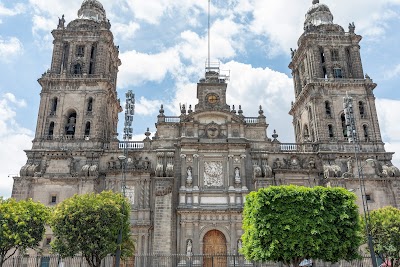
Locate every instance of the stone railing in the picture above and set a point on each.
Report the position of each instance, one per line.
(252, 120)
(131, 145)
(171, 119)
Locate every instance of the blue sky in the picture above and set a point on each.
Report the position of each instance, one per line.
(163, 46)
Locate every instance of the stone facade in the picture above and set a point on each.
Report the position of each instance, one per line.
(192, 177)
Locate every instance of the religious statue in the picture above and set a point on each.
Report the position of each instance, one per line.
(237, 175)
(189, 247)
(189, 178)
(61, 22)
(352, 27)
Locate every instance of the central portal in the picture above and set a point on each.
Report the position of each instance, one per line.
(214, 249)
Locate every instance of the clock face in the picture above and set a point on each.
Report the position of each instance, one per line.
(212, 98)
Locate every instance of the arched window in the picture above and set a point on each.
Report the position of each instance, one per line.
(70, 126)
(306, 132)
(361, 108)
(310, 114)
(330, 131)
(54, 106)
(337, 73)
(87, 129)
(92, 59)
(328, 110)
(77, 69)
(366, 133)
(344, 127)
(51, 131)
(90, 105)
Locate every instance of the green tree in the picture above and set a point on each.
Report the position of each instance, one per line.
(89, 224)
(384, 225)
(289, 224)
(22, 226)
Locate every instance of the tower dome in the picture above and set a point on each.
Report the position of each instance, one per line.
(317, 15)
(93, 10)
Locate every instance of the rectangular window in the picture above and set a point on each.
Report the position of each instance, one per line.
(53, 199)
(337, 73)
(80, 50)
(368, 197)
(335, 55)
(48, 241)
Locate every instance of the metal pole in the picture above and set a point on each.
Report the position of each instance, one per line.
(352, 135)
(129, 112)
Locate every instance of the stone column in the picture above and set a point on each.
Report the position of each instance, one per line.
(196, 238)
(231, 171)
(243, 170)
(195, 172)
(183, 171)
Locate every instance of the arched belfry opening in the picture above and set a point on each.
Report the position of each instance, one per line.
(214, 249)
(70, 125)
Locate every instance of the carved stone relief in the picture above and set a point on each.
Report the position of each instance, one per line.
(213, 174)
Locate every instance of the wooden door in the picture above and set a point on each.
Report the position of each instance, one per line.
(214, 249)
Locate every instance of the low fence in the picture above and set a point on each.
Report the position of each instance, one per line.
(168, 261)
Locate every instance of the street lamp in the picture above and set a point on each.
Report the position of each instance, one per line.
(353, 138)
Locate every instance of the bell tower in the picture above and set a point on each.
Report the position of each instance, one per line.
(78, 99)
(326, 67)
(78, 112)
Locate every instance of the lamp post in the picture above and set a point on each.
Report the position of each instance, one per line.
(129, 112)
(352, 136)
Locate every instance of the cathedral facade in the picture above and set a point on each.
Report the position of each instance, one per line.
(187, 184)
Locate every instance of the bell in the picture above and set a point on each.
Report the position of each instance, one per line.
(70, 129)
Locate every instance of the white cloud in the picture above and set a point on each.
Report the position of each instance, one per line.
(152, 11)
(17, 9)
(392, 73)
(146, 107)
(13, 140)
(140, 67)
(389, 122)
(125, 31)
(9, 48)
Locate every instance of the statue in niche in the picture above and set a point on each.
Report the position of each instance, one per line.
(237, 175)
(189, 248)
(189, 178)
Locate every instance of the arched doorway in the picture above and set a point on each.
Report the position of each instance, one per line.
(214, 247)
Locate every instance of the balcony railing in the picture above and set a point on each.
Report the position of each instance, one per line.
(131, 145)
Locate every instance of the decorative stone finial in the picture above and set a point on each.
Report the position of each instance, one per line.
(261, 111)
(240, 112)
(275, 135)
(147, 134)
(233, 109)
(162, 110)
(190, 109)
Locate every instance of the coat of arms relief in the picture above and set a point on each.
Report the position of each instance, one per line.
(213, 174)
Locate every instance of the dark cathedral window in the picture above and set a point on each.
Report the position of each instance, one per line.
(80, 50)
(310, 114)
(65, 56)
(306, 132)
(344, 127)
(330, 130)
(362, 109)
(337, 73)
(328, 110)
(322, 55)
(366, 134)
(77, 69)
(87, 129)
(325, 74)
(54, 106)
(92, 59)
(51, 131)
(90, 106)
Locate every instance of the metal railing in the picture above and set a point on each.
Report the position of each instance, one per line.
(167, 261)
